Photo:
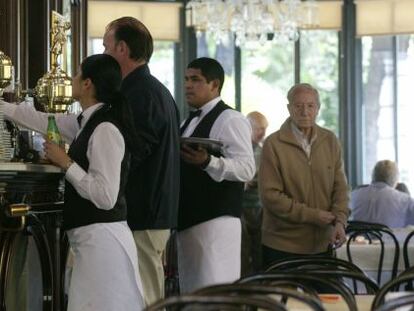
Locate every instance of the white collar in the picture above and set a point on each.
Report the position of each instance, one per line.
(88, 112)
(206, 108)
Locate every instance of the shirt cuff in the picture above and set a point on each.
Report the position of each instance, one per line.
(75, 173)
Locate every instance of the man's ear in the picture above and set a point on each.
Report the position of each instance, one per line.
(123, 47)
(216, 84)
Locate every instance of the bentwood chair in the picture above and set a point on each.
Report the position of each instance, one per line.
(327, 265)
(216, 303)
(397, 303)
(374, 231)
(405, 249)
(313, 302)
(332, 284)
(392, 285)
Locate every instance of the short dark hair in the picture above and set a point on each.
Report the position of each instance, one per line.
(135, 35)
(210, 69)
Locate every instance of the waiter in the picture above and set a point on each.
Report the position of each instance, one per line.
(209, 230)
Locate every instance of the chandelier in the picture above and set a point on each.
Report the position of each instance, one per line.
(252, 21)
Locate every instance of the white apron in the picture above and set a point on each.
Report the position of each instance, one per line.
(105, 273)
(209, 253)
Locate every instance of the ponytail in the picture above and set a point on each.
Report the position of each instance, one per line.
(105, 74)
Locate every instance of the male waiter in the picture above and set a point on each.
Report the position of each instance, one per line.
(209, 237)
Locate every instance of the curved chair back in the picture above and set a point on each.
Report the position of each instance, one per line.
(374, 231)
(308, 279)
(390, 286)
(370, 286)
(405, 249)
(312, 302)
(217, 303)
(330, 263)
(396, 303)
(314, 263)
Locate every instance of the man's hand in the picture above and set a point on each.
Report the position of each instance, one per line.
(325, 217)
(56, 154)
(193, 156)
(338, 236)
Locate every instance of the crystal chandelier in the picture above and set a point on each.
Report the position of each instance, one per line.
(252, 21)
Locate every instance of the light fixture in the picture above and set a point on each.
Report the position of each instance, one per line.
(251, 21)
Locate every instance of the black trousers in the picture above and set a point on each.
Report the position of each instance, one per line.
(270, 255)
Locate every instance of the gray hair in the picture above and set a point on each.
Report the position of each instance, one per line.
(297, 88)
(385, 171)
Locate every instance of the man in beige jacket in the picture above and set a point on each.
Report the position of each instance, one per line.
(302, 184)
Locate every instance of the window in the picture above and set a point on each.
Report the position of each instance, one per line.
(161, 63)
(378, 103)
(319, 67)
(405, 108)
(267, 75)
(224, 54)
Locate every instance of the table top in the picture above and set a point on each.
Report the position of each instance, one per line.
(363, 302)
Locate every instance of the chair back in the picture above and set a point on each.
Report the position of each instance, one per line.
(312, 302)
(374, 231)
(317, 263)
(333, 285)
(397, 303)
(405, 249)
(392, 285)
(216, 303)
(330, 263)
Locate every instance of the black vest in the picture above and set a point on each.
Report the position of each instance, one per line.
(78, 211)
(202, 198)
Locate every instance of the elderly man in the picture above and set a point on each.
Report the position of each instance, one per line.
(302, 184)
(251, 252)
(380, 202)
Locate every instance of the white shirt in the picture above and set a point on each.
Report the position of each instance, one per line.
(302, 139)
(106, 148)
(234, 131)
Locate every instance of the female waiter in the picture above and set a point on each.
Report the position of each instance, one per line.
(105, 274)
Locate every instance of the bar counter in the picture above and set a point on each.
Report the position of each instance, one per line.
(31, 201)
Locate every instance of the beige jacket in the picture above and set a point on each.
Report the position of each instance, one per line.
(293, 187)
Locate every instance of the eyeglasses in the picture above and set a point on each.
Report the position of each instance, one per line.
(303, 106)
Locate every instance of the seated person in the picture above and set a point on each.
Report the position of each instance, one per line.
(380, 202)
(402, 187)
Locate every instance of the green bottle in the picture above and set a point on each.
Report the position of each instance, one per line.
(53, 131)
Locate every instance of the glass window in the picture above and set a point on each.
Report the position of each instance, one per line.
(224, 54)
(267, 75)
(405, 108)
(319, 67)
(161, 63)
(378, 103)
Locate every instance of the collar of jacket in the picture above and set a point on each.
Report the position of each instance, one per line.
(138, 72)
(287, 136)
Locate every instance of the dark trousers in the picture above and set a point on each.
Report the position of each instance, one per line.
(270, 255)
(251, 247)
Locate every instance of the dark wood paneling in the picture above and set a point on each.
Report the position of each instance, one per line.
(38, 40)
(79, 40)
(9, 18)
